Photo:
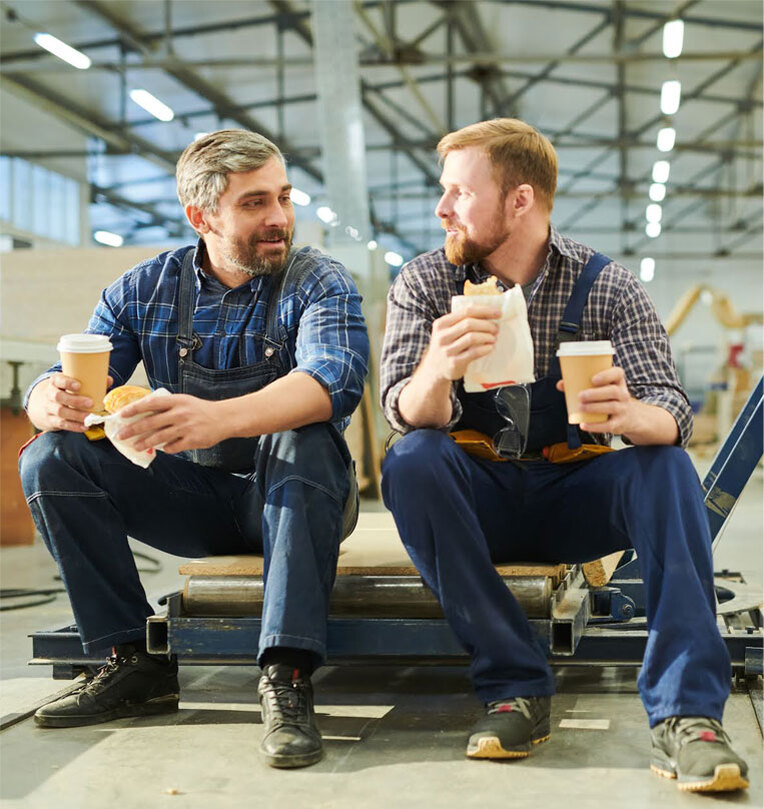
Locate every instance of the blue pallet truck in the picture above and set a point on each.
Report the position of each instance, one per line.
(370, 621)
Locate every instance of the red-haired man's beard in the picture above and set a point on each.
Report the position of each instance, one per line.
(460, 249)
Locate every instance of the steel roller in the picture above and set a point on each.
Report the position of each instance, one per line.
(362, 596)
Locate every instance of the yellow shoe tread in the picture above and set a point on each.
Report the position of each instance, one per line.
(727, 778)
(490, 747)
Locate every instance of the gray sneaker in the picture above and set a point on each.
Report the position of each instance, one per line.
(696, 751)
(510, 727)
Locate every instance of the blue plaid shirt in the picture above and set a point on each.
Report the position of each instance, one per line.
(326, 334)
(618, 309)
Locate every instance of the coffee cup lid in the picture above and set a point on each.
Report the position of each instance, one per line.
(84, 343)
(585, 348)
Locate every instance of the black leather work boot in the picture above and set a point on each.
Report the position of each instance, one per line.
(510, 727)
(291, 738)
(132, 683)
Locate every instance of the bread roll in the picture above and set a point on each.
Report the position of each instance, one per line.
(488, 287)
(119, 397)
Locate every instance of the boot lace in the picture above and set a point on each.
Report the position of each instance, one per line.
(287, 701)
(105, 674)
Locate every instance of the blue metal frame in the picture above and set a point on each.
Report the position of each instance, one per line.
(603, 626)
(735, 461)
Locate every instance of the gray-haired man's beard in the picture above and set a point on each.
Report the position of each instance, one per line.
(245, 257)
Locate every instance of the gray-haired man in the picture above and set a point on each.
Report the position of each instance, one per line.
(265, 352)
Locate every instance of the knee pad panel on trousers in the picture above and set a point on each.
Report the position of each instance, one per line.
(315, 453)
(663, 463)
(51, 453)
(417, 462)
(305, 443)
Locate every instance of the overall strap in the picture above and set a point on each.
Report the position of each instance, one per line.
(290, 278)
(186, 338)
(570, 325)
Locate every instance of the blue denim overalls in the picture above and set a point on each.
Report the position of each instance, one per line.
(459, 515)
(296, 501)
(233, 454)
(523, 419)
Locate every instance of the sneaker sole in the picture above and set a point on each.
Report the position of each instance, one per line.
(726, 778)
(490, 747)
(159, 705)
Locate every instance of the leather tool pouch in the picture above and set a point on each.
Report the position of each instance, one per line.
(481, 446)
(562, 453)
(476, 444)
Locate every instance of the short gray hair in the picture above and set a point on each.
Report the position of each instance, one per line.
(203, 168)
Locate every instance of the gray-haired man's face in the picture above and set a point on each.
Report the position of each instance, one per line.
(254, 225)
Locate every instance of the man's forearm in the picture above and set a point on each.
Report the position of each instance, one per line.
(290, 402)
(426, 400)
(651, 425)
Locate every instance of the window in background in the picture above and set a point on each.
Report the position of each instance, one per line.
(40, 201)
(5, 188)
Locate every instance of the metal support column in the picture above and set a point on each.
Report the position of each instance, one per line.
(340, 118)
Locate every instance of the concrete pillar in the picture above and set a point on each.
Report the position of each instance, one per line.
(340, 119)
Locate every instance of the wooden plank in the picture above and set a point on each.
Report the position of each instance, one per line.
(599, 572)
(374, 549)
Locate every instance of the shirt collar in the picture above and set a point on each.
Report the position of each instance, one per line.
(559, 243)
(203, 277)
(197, 263)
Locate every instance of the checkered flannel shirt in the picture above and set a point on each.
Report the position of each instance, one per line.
(325, 332)
(618, 309)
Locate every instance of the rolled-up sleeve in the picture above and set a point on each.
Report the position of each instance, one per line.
(643, 350)
(410, 315)
(332, 344)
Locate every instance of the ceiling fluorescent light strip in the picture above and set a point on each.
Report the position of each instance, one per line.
(152, 105)
(63, 51)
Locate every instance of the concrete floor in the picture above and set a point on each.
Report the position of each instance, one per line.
(394, 736)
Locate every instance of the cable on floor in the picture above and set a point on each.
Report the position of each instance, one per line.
(50, 594)
(22, 592)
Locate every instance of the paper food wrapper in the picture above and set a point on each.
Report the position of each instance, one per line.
(511, 360)
(113, 423)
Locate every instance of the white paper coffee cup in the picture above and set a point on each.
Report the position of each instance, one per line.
(579, 362)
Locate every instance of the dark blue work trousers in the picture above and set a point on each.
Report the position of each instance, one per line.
(86, 498)
(458, 515)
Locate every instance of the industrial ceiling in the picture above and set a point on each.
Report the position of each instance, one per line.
(588, 74)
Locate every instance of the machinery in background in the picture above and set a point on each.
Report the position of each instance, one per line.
(728, 386)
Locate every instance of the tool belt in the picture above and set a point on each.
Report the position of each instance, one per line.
(479, 445)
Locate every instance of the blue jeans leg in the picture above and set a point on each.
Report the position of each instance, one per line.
(650, 497)
(304, 479)
(431, 487)
(86, 498)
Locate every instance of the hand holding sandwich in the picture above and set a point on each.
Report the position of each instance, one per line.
(457, 339)
(177, 422)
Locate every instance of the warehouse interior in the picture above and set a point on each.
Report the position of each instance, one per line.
(655, 110)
